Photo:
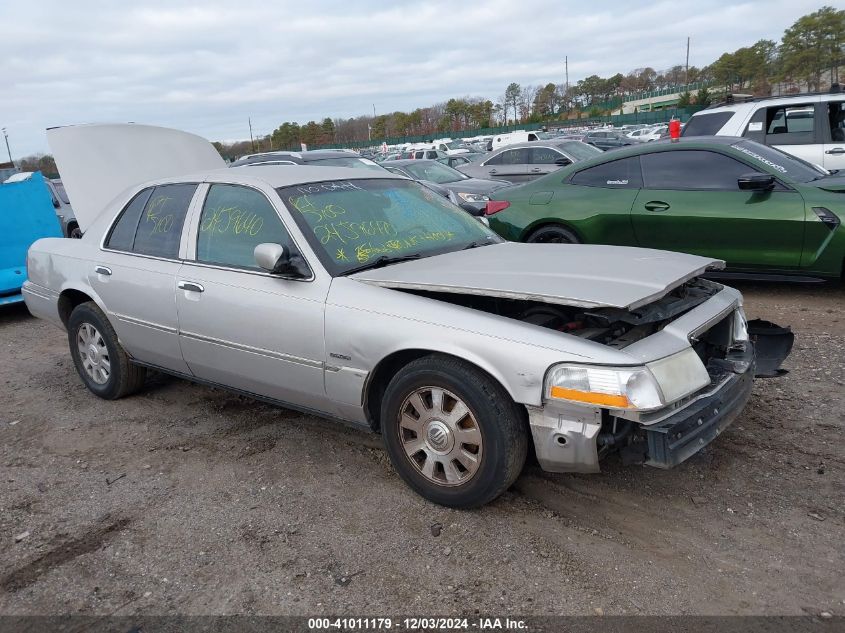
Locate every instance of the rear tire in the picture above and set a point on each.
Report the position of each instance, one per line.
(75, 232)
(452, 433)
(99, 359)
(553, 234)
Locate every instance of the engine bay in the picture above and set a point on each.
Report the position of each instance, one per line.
(613, 327)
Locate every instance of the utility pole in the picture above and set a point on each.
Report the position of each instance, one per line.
(251, 140)
(686, 71)
(374, 110)
(6, 136)
(566, 95)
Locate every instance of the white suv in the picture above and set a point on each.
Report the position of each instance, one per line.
(809, 126)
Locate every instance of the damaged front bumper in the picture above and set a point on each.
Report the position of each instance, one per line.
(573, 438)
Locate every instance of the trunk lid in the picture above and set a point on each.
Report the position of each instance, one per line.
(578, 275)
(98, 162)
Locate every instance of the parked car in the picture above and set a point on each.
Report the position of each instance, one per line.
(809, 126)
(59, 199)
(450, 147)
(27, 215)
(760, 210)
(64, 210)
(526, 161)
(425, 154)
(606, 139)
(647, 134)
(317, 158)
(361, 296)
(509, 138)
(456, 161)
(471, 193)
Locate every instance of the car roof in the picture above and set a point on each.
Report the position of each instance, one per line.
(296, 157)
(282, 175)
(685, 142)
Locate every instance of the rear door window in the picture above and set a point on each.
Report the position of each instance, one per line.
(617, 174)
(790, 124)
(705, 124)
(836, 118)
(543, 156)
(160, 227)
(122, 234)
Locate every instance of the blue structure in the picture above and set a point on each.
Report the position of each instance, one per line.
(26, 215)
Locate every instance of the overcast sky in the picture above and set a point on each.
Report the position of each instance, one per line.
(206, 66)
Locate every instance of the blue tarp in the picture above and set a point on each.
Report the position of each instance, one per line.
(26, 214)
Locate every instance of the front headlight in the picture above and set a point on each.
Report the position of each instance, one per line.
(473, 197)
(611, 387)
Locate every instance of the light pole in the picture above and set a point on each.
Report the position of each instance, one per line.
(6, 136)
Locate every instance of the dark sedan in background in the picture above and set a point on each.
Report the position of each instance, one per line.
(522, 162)
(466, 191)
(607, 139)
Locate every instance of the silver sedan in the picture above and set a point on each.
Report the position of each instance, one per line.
(364, 297)
(522, 162)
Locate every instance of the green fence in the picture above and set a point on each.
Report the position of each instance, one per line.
(659, 116)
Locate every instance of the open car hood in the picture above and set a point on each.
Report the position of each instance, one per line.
(578, 275)
(98, 162)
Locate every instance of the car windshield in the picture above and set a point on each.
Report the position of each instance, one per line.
(781, 162)
(353, 161)
(434, 172)
(456, 145)
(580, 151)
(353, 224)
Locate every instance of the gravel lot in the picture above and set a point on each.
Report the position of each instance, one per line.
(190, 500)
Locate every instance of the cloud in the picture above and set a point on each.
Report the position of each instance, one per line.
(207, 66)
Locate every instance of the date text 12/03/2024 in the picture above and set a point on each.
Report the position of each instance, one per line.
(417, 624)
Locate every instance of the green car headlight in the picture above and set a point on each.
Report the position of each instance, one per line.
(473, 197)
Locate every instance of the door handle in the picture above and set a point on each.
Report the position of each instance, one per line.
(836, 150)
(493, 171)
(102, 270)
(191, 286)
(656, 205)
(536, 170)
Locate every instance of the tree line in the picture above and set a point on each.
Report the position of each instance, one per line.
(810, 51)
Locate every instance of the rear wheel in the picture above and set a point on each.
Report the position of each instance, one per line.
(452, 433)
(74, 232)
(99, 359)
(553, 234)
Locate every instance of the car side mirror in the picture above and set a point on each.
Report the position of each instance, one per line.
(278, 260)
(563, 161)
(756, 181)
(466, 206)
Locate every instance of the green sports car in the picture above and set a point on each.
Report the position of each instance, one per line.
(757, 208)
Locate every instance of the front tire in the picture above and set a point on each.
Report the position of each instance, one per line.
(99, 359)
(452, 433)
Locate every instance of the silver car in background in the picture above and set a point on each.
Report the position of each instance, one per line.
(364, 297)
(522, 162)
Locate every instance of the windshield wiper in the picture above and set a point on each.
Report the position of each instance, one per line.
(476, 245)
(383, 260)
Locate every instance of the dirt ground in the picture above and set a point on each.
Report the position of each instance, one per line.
(190, 500)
